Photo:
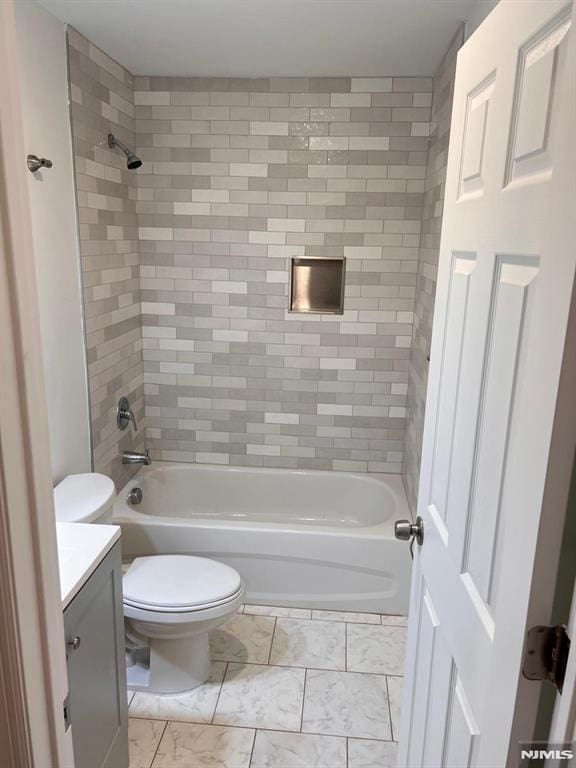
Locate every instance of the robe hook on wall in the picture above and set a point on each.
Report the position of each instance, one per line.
(35, 163)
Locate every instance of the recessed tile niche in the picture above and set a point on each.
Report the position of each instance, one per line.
(317, 285)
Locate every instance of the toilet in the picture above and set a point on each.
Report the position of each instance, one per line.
(171, 602)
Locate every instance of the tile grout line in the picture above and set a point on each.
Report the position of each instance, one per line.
(303, 700)
(253, 745)
(389, 708)
(137, 716)
(272, 730)
(272, 641)
(315, 669)
(158, 745)
(220, 691)
(380, 616)
(256, 729)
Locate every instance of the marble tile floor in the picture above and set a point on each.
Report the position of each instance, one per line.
(290, 688)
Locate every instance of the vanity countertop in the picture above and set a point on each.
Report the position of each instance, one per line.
(81, 549)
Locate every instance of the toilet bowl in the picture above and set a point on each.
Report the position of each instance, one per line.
(171, 602)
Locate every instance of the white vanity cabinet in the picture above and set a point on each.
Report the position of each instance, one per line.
(94, 630)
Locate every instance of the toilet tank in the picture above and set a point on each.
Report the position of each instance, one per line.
(86, 498)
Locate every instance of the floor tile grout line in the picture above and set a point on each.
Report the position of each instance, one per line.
(318, 621)
(158, 745)
(282, 731)
(274, 730)
(279, 666)
(337, 621)
(272, 640)
(260, 728)
(325, 621)
(253, 745)
(220, 691)
(330, 621)
(389, 708)
(296, 666)
(276, 616)
(303, 699)
(315, 669)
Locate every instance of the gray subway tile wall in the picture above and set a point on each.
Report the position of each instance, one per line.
(101, 98)
(238, 177)
(428, 267)
(185, 263)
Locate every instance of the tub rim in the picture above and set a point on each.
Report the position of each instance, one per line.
(122, 512)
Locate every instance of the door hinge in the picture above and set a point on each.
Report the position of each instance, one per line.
(546, 654)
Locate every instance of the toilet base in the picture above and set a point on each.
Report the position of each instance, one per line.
(172, 666)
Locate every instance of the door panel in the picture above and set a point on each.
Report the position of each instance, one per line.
(537, 72)
(457, 310)
(425, 670)
(462, 728)
(505, 322)
(474, 139)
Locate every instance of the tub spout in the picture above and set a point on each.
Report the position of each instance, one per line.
(132, 457)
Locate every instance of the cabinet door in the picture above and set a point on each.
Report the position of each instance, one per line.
(96, 669)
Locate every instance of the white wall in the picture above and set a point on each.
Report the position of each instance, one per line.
(44, 93)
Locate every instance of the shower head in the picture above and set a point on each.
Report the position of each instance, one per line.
(133, 161)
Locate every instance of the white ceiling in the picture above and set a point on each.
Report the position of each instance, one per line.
(256, 38)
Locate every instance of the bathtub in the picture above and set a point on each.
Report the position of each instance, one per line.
(299, 538)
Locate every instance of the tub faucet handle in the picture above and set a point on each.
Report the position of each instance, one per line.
(125, 415)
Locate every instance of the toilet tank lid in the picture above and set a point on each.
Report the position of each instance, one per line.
(83, 498)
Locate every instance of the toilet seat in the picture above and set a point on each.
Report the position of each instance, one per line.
(174, 619)
(195, 609)
(182, 584)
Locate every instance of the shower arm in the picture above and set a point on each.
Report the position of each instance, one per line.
(114, 142)
(133, 161)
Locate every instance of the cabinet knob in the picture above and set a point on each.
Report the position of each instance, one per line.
(75, 643)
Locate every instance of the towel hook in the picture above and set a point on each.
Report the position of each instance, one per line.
(35, 163)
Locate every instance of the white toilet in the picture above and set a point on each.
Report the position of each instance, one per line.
(171, 602)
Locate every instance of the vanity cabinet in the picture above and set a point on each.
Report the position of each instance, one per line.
(94, 631)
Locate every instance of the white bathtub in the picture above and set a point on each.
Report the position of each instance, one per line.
(299, 538)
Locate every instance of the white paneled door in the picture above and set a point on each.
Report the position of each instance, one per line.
(507, 263)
